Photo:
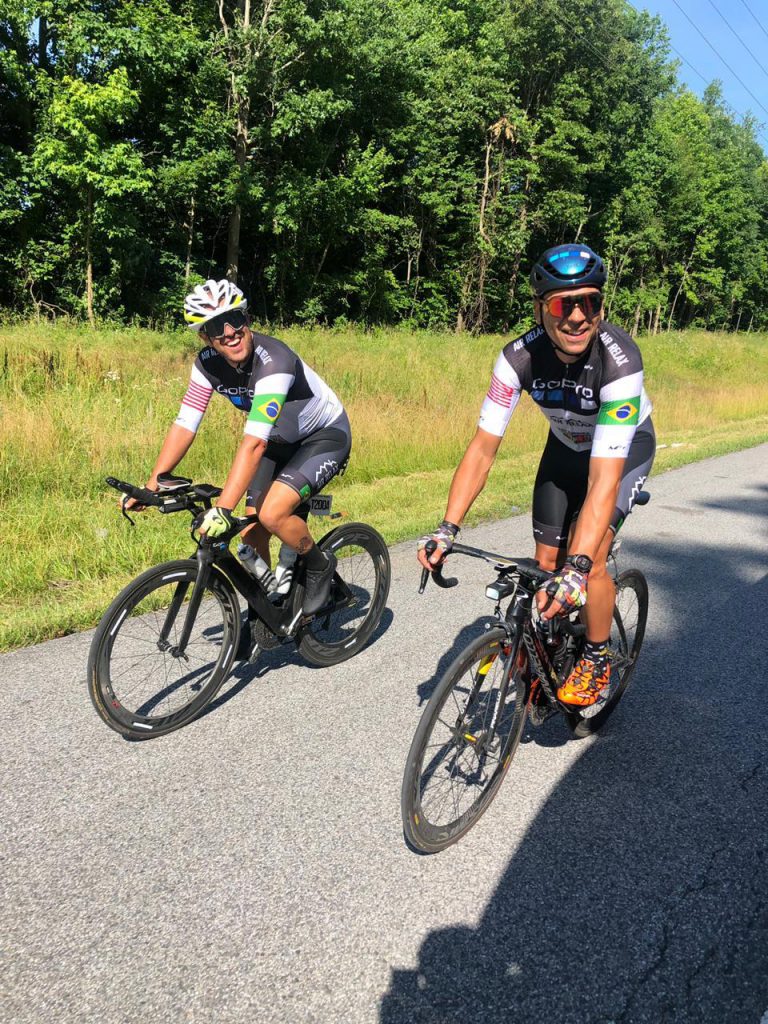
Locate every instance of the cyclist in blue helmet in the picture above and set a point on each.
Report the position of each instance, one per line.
(586, 376)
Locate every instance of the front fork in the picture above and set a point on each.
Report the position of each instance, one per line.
(205, 556)
(501, 694)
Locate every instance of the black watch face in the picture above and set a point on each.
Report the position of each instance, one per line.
(582, 563)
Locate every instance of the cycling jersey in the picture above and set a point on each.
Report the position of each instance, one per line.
(285, 399)
(593, 405)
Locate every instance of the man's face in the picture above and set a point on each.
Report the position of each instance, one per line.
(233, 341)
(570, 317)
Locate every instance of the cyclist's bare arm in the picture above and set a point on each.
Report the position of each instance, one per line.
(243, 469)
(468, 481)
(177, 443)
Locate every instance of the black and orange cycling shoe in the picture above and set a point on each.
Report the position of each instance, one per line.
(585, 685)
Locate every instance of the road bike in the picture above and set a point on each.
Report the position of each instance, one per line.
(472, 724)
(167, 642)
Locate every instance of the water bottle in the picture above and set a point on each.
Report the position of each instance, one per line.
(284, 569)
(257, 567)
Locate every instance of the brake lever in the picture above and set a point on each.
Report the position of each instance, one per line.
(123, 512)
(437, 573)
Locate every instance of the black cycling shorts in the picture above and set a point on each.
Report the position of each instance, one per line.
(561, 485)
(305, 465)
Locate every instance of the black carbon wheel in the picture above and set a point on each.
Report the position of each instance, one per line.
(630, 615)
(464, 743)
(139, 683)
(358, 596)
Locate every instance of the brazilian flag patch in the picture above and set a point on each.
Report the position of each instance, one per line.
(268, 408)
(625, 412)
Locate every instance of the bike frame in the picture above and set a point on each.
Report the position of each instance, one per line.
(283, 620)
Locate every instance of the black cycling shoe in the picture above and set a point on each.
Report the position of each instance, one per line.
(317, 587)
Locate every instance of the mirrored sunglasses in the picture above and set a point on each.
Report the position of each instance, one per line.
(234, 318)
(561, 306)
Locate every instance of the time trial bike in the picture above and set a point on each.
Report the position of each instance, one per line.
(167, 642)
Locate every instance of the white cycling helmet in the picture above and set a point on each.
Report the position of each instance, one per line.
(210, 300)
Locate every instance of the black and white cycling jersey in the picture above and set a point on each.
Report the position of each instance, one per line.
(594, 404)
(286, 401)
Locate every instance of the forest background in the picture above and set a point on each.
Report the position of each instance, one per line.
(367, 161)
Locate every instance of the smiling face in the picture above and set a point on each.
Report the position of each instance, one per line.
(234, 343)
(571, 324)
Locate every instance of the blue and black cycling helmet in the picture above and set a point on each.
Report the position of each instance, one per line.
(567, 266)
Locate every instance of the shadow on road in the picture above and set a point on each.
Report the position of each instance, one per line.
(640, 892)
(272, 661)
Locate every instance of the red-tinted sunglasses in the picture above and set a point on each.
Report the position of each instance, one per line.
(561, 306)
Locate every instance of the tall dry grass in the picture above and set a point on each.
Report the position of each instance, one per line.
(78, 404)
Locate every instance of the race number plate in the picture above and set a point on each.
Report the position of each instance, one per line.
(320, 505)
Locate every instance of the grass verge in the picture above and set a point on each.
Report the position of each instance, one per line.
(78, 404)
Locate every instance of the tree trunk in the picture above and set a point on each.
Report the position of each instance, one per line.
(42, 43)
(190, 226)
(241, 104)
(89, 257)
(636, 325)
(686, 268)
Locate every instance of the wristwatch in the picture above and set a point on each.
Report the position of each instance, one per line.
(581, 562)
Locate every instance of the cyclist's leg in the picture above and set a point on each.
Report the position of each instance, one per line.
(311, 465)
(601, 593)
(258, 535)
(559, 490)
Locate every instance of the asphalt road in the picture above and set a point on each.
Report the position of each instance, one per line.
(251, 867)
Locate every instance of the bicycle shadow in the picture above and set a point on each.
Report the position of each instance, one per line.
(640, 890)
(273, 661)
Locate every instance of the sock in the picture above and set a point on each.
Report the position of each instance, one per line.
(315, 559)
(596, 651)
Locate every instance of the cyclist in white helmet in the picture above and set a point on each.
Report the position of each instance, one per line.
(297, 435)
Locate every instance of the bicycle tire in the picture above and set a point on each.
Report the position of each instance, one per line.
(437, 745)
(137, 685)
(630, 615)
(364, 566)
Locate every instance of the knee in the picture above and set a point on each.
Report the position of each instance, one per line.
(271, 517)
(598, 572)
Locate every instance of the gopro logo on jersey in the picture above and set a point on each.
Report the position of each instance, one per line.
(559, 385)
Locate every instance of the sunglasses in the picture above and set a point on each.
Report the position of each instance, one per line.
(562, 306)
(234, 318)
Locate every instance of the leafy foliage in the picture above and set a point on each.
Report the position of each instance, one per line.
(369, 160)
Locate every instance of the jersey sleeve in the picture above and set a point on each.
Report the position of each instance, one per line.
(618, 416)
(195, 402)
(269, 395)
(501, 399)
